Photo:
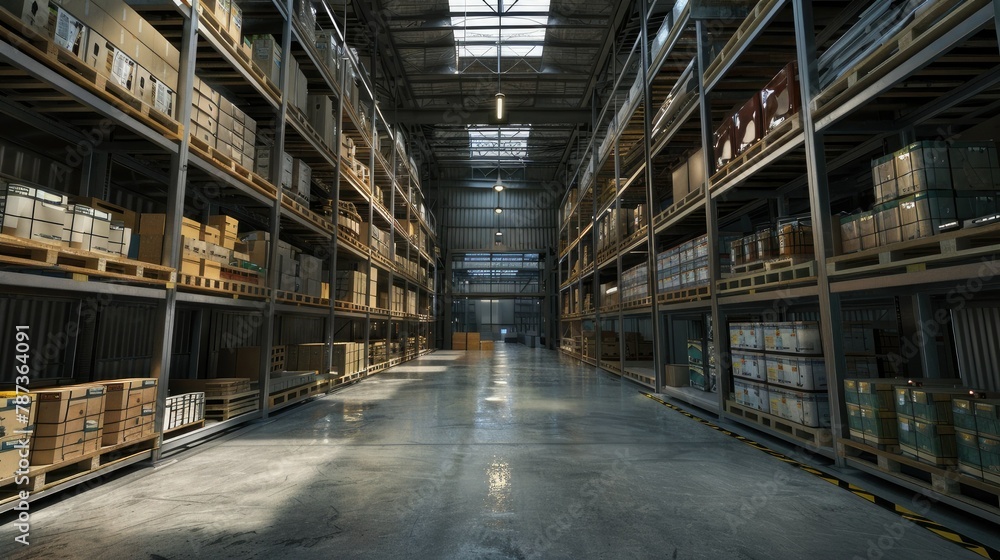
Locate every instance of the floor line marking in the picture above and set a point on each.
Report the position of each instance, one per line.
(934, 527)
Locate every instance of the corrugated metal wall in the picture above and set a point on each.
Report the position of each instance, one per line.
(468, 222)
(977, 340)
(300, 330)
(47, 321)
(17, 161)
(124, 342)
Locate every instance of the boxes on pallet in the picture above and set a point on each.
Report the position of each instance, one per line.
(129, 410)
(850, 238)
(879, 426)
(749, 365)
(319, 111)
(922, 166)
(988, 417)
(780, 98)
(262, 167)
(68, 423)
(35, 13)
(808, 409)
(797, 372)
(970, 460)
(746, 336)
(974, 166)
(989, 451)
(936, 443)
(305, 357)
(86, 228)
(747, 128)
(927, 213)
(752, 394)
(798, 337)
(267, 56)
(32, 213)
(930, 401)
(855, 424)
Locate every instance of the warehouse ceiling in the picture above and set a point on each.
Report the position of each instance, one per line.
(438, 74)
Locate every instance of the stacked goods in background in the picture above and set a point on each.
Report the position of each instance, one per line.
(460, 341)
(607, 231)
(787, 238)
(225, 397)
(212, 250)
(686, 265)
(37, 214)
(775, 104)
(689, 175)
(635, 283)
(411, 302)
(357, 287)
(778, 368)
(113, 40)
(637, 347)
(129, 410)
(924, 189)
(68, 424)
(977, 431)
(184, 409)
(17, 412)
(377, 352)
(702, 372)
(349, 220)
(609, 294)
(610, 346)
(219, 123)
(617, 225)
(398, 296)
(348, 357)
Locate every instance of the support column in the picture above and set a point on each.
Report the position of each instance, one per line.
(659, 356)
(166, 309)
(831, 317)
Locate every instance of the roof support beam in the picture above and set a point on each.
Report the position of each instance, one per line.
(482, 116)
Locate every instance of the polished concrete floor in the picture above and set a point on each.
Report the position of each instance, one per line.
(517, 454)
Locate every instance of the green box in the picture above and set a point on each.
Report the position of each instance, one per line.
(904, 403)
(877, 393)
(927, 213)
(969, 455)
(988, 418)
(923, 166)
(935, 440)
(907, 435)
(851, 391)
(963, 412)
(934, 404)
(855, 422)
(879, 426)
(989, 453)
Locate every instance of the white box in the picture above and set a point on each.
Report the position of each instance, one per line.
(119, 238)
(86, 228)
(69, 32)
(32, 213)
(797, 372)
(752, 394)
(746, 336)
(798, 337)
(32, 12)
(808, 409)
(750, 366)
(301, 178)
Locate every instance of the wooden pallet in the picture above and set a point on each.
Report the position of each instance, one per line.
(815, 437)
(42, 477)
(349, 306)
(222, 287)
(206, 19)
(35, 254)
(302, 299)
(693, 198)
(753, 20)
(920, 254)
(308, 215)
(297, 394)
(787, 262)
(768, 279)
(242, 275)
(230, 167)
(748, 268)
(41, 48)
(183, 429)
(927, 27)
(306, 129)
(947, 481)
(224, 408)
(774, 139)
(685, 294)
(642, 378)
(637, 303)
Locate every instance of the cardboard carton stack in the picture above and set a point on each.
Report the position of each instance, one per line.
(114, 40)
(208, 250)
(68, 424)
(459, 341)
(216, 121)
(129, 410)
(348, 357)
(12, 419)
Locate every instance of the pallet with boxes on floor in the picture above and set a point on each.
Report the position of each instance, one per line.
(104, 46)
(778, 369)
(76, 429)
(225, 398)
(76, 235)
(921, 191)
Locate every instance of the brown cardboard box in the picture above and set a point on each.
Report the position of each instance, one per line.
(120, 415)
(211, 269)
(10, 454)
(68, 403)
(127, 393)
(473, 341)
(9, 412)
(227, 225)
(151, 248)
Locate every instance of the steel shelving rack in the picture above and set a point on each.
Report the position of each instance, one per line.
(933, 78)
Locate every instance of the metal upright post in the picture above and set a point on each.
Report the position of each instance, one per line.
(659, 357)
(819, 203)
(166, 310)
(711, 224)
(277, 163)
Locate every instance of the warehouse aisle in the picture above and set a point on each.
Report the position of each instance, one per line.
(514, 454)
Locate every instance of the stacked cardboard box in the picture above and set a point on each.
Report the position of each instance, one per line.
(977, 430)
(635, 283)
(17, 413)
(68, 424)
(356, 287)
(129, 410)
(207, 250)
(459, 341)
(114, 40)
(398, 299)
(216, 121)
(378, 239)
(348, 357)
(286, 175)
(306, 357)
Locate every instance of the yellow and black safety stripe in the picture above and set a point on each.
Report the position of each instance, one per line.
(917, 519)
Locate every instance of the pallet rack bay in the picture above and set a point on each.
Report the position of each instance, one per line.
(106, 317)
(738, 138)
